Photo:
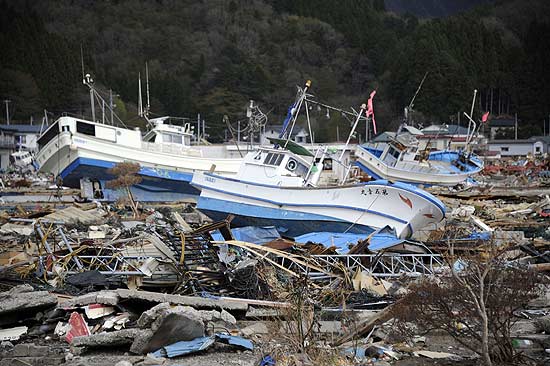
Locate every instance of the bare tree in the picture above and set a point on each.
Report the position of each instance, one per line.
(474, 301)
(126, 174)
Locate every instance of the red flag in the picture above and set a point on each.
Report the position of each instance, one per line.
(485, 117)
(370, 110)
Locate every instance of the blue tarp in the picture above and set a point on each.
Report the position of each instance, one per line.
(200, 344)
(384, 238)
(252, 234)
(235, 341)
(357, 352)
(483, 235)
(339, 240)
(184, 347)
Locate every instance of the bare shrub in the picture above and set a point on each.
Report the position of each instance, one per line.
(474, 302)
(126, 174)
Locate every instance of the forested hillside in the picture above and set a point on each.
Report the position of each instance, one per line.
(211, 57)
(431, 8)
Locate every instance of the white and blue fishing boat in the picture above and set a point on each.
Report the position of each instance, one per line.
(400, 160)
(278, 187)
(81, 151)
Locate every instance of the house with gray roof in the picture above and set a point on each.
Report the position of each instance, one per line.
(299, 134)
(15, 137)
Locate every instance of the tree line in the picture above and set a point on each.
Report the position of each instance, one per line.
(212, 57)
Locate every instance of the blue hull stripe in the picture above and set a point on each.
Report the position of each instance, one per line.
(145, 171)
(293, 223)
(302, 204)
(367, 170)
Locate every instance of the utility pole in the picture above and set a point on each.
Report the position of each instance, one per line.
(198, 128)
(203, 129)
(7, 101)
(516, 129)
(238, 132)
(111, 104)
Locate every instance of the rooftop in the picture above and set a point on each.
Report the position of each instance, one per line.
(445, 130)
(502, 122)
(20, 128)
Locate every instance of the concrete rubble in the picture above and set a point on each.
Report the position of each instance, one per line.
(89, 281)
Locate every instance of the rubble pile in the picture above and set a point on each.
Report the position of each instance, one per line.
(87, 280)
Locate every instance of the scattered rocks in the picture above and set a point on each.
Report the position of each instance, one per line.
(256, 328)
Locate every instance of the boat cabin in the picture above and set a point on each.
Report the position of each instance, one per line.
(277, 166)
(76, 126)
(399, 149)
(165, 132)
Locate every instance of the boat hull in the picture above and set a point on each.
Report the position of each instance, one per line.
(296, 210)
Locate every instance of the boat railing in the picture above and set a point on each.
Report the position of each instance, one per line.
(170, 149)
(379, 265)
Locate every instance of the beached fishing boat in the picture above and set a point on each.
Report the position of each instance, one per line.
(400, 160)
(278, 187)
(81, 151)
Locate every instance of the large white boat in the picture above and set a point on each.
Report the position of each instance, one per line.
(279, 187)
(81, 152)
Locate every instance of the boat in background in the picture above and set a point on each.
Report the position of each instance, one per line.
(400, 160)
(81, 152)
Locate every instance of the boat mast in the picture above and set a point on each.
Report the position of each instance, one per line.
(89, 82)
(470, 120)
(296, 110)
(147, 83)
(409, 108)
(140, 102)
(348, 167)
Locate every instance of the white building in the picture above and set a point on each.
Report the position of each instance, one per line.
(299, 134)
(536, 145)
(446, 137)
(17, 137)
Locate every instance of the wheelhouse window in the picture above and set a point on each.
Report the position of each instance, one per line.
(273, 159)
(393, 152)
(85, 128)
(174, 139)
(48, 136)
